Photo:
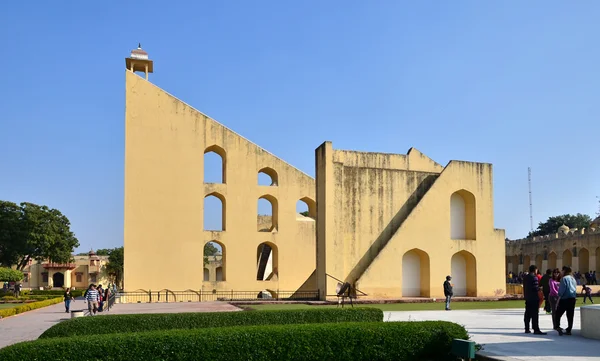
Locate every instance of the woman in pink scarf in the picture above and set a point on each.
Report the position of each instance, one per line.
(553, 296)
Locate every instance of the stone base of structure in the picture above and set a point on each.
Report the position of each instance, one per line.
(590, 319)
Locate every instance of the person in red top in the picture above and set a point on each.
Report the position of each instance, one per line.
(539, 276)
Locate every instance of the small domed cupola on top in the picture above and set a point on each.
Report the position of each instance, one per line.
(139, 61)
(563, 229)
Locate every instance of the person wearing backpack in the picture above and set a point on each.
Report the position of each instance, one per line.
(587, 293)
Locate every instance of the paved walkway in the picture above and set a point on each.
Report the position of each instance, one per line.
(501, 333)
(30, 325)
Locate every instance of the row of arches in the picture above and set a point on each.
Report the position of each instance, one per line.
(215, 165)
(416, 274)
(587, 261)
(215, 212)
(415, 270)
(215, 261)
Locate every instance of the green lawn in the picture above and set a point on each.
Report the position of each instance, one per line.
(9, 305)
(406, 306)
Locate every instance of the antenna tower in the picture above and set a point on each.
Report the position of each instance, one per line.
(530, 201)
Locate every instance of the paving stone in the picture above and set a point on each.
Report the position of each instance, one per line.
(502, 334)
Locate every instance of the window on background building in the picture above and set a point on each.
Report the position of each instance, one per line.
(26, 277)
(93, 278)
(78, 277)
(44, 277)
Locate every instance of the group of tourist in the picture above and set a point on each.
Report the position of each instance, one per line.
(559, 291)
(96, 297)
(587, 278)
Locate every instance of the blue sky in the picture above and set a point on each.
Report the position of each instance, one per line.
(506, 82)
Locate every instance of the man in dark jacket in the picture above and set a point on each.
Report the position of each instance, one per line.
(546, 290)
(531, 291)
(448, 292)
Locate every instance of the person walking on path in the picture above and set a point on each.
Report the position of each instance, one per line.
(546, 290)
(92, 298)
(587, 293)
(448, 292)
(567, 297)
(553, 295)
(531, 291)
(68, 298)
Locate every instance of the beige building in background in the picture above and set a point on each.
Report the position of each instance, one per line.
(78, 274)
(393, 225)
(578, 248)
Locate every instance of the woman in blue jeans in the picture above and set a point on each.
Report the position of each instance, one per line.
(68, 298)
(567, 297)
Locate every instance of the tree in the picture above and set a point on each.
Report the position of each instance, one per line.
(10, 233)
(30, 231)
(553, 223)
(114, 267)
(210, 250)
(10, 275)
(305, 213)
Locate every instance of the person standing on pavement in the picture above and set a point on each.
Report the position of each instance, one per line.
(92, 298)
(546, 290)
(68, 298)
(531, 291)
(448, 292)
(567, 297)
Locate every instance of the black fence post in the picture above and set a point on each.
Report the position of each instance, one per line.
(150, 296)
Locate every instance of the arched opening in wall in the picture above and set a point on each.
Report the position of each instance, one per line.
(526, 263)
(464, 274)
(597, 269)
(58, 279)
(267, 177)
(214, 212)
(584, 260)
(539, 260)
(462, 215)
(306, 209)
(215, 261)
(267, 214)
(515, 264)
(215, 161)
(415, 274)
(567, 258)
(552, 260)
(266, 262)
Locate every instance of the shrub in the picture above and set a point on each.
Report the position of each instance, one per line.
(28, 307)
(169, 321)
(10, 275)
(400, 341)
(75, 293)
(8, 298)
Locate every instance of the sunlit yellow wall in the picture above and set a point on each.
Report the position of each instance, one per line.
(374, 207)
(165, 142)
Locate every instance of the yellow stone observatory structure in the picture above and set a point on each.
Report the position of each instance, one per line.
(392, 225)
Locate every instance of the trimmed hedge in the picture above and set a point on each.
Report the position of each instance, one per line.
(400, 341)
(171, 321)
(28, 307)
(75, 293)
